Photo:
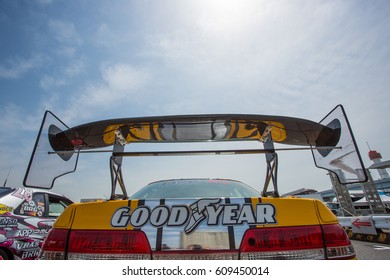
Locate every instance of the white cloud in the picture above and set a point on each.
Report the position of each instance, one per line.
(274, 53)
(17, 141)
(70, 71)
(120, 85)
(15, 119)
(104, 36)
(17, 66)
(120, 77)
(74, 68)
(65, 32)
(66, 51)
(48, 82)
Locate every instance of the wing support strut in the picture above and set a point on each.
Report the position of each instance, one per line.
(116, 168)
(272, 164)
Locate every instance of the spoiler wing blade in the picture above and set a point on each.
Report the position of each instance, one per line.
(197, 128)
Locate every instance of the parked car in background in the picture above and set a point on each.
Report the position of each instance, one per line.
(26, 215)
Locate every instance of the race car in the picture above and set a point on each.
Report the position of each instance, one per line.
(201, 218)
(26, 215)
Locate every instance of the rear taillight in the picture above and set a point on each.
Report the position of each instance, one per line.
(304, 242)
(109, 244)
(337, 243)
(283, 243)
(54, 246)
(97, 245)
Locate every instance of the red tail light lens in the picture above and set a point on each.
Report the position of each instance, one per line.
(305, 242)
(96, 244)
(55, 245)
(335, 235)
(271, 239)
(116, 242)
(283, 243)
(109, 244)
(338, 245)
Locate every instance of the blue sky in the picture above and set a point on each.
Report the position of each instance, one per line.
(91, 60)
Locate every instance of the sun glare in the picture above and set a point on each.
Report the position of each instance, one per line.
(225, 15)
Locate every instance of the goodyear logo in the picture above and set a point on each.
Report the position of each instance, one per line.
(5, 209)
(190, 217)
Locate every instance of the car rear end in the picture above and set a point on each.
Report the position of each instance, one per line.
(204, 226)
(209, 228)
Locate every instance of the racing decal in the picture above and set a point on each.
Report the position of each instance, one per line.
(8, 222)
(183, 131)
(30, 254)
(198, 213)
(27, 245)
(23, 236)
(210, 211)
(23, 194)
(5, 209)
(32, 208)
(26, 233)
(4, 240)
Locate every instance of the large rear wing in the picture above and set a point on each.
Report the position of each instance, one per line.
(57, 147)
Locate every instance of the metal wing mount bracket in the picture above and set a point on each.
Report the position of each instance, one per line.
(272, 164)
(116, 167)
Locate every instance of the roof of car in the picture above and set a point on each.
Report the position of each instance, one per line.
(34, 190)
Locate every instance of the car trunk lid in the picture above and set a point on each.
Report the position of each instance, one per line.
(209, 228)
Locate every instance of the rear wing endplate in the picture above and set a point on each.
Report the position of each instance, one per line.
(44, 167)
(345, 163)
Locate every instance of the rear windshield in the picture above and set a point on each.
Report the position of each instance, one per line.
(195, 189)
(5, 191)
